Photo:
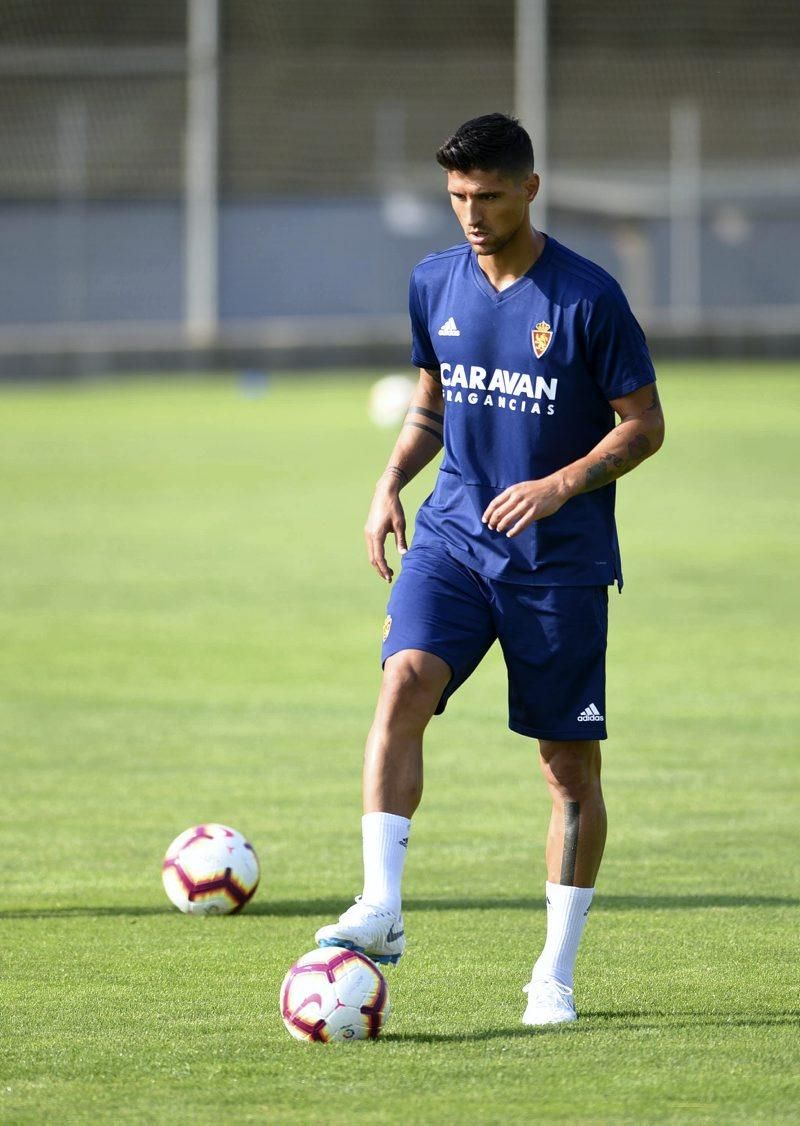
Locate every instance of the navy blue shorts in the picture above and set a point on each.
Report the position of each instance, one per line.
(553, 640)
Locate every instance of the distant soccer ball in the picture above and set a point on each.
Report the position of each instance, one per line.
(334, 994)
(389, 399)
(210, 870)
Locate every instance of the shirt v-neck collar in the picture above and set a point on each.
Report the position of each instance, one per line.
(522, 282)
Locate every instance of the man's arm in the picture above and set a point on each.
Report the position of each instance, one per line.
(639, 433)
(419, 441)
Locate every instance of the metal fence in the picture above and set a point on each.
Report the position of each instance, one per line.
(207, 176)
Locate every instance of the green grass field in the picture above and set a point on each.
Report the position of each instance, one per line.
(191, 631)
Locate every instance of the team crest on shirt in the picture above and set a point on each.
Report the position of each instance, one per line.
(387, 625)
(540, 338)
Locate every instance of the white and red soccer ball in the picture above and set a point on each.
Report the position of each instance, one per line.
(334, 994)
(210, 870)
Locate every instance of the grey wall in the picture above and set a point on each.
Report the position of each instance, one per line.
(97, 262)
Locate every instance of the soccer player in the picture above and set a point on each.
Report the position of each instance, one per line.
(526, 352)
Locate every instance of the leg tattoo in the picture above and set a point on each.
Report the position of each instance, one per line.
(572, 825)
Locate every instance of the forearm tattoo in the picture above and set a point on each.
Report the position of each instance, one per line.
(433, 415)
(655, 402)
(428, 429)
(400, 474)
(572, 828)
(614, 465)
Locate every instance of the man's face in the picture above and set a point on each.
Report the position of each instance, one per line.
(490, 207)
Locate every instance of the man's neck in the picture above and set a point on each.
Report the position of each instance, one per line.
(514, 260)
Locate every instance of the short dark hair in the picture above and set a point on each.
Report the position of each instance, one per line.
(493, 143)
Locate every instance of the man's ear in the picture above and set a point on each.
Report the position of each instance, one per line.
(531, 186)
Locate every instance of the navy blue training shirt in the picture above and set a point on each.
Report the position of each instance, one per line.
(527, 376)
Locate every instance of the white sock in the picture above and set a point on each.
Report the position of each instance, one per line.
(567, 908)
(384, 839)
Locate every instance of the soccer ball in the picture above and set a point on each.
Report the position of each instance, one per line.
(210, 870)
(389, 399)
(334, 994)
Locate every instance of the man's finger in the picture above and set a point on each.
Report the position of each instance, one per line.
(510, 517)
(383, 570)
(520, 526)
(502, 510)
(493, 504)
(498, 502)
(378, 558)
(400, 538)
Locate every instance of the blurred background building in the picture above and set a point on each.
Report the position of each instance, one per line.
(212, 182)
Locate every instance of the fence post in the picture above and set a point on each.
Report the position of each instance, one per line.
(685, 190)
(530, 89)
(200, 185)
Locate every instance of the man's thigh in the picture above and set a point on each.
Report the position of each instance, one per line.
(554, 644)
(440, 607)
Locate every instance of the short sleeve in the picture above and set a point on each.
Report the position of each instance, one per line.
(618, 356)
(422, 351)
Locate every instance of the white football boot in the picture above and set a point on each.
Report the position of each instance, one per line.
(373, 931)
(549, 1002)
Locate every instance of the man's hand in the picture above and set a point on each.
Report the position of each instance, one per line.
(519, 505)
(638, 434)
(385, 515)
(419, 441)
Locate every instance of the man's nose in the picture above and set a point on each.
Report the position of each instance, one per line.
(473, 213)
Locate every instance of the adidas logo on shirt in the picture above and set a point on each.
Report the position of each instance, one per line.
(449, 328)
(590, 715)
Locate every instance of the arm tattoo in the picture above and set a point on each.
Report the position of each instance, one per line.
(399, 473)
(572, 828)
(435, 374)
(655, 402)
(614, 465)
(434, 415)
(428, 429)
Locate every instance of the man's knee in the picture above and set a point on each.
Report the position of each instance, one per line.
(413, 683)
(572, 770)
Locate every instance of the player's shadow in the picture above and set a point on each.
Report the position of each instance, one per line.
(325, 908)
(690, 902)
(688, 1018)
(613, 1022)
(77, 912)
(311, 907)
